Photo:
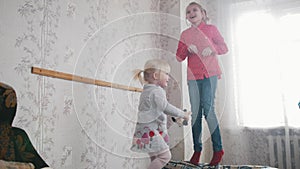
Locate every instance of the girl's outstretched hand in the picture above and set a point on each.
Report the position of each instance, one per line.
(182, 121)
(187, 115)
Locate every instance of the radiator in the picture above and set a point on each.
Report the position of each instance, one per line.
(284, 151)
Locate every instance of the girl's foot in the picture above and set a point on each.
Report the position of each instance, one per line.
(195, 158)
(216, 158)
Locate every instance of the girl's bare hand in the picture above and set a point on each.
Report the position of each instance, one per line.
(187, 115)
(207, 51)
(193, 49)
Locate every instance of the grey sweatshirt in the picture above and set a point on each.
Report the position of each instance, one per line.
(151, 129)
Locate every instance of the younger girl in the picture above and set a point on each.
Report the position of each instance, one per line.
(200, 44)
(151, 135)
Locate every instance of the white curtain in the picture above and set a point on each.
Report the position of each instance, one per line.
(258, 95)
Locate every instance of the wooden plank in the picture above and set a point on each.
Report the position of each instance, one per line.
(67, 76)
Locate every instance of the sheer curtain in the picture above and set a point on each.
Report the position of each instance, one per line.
(258, 97)
(266, 38)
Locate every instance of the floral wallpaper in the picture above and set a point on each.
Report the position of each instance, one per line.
(75, 125)
(81, 126)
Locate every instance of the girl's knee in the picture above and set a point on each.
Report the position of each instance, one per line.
(169, 156)
(166, 157)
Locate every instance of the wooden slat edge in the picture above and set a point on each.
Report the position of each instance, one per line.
(67, 76)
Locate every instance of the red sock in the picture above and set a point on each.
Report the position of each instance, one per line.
(195, 158)
(216, 158)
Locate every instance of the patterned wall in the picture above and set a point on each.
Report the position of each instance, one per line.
(75, 125)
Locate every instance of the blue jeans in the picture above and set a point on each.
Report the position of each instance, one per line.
(202, 96)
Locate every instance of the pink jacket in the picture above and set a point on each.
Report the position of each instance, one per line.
(202, 36)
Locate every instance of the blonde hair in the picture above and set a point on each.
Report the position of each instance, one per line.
(205, 17)
(150, 67)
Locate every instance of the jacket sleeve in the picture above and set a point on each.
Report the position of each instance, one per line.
(218, 41)
(182, 50)
(163, 105)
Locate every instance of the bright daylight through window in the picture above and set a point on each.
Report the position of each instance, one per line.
(268, 69)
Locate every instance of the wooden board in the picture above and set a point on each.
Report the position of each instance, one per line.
(67, 76)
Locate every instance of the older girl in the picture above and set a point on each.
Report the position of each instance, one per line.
(200, 44)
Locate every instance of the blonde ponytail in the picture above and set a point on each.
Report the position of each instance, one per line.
(138, 76)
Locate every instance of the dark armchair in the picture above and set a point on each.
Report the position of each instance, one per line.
(15, 143)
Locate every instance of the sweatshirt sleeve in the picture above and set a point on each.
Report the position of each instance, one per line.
(163, 105)
(173, 111)
(182, 50)
(218, 41)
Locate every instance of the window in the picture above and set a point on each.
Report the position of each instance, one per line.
(268, 69)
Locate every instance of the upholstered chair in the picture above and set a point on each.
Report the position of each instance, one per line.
(15, 143)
